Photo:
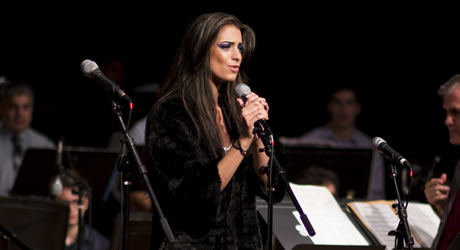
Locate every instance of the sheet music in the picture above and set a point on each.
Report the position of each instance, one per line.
(330, 222)
(380, 219)
(423, 222)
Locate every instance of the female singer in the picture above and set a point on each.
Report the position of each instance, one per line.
(204, 156)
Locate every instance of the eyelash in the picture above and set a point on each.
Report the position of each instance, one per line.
(228, 46)
(225, 45)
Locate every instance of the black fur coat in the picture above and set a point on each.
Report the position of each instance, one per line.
(200, 215)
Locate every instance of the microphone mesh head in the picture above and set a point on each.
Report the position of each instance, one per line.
(88, 67)
(56, 186)
(377, 141)
(242, 89)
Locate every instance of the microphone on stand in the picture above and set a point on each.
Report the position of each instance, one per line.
(382, 146)
(91, 69)
(56, 182)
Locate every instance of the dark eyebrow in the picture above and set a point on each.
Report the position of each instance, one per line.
(230, 42)
(227, 42)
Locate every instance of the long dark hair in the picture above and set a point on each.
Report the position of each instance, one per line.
(190, 75)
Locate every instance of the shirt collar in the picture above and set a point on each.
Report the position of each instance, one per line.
(331, 136)
(8, 133)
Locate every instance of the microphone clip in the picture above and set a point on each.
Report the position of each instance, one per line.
(266, 138)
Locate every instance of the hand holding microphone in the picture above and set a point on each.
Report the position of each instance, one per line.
(255, 108)
(255, 114)
(252, 111)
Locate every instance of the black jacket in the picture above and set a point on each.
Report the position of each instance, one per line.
(188, 189)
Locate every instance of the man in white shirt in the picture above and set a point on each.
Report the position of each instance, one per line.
(16, 135)
(341, 132)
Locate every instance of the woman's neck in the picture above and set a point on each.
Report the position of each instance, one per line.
(215, 91)
(222, 128)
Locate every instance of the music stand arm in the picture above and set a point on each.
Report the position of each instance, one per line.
(14, 239)
(403, 231)
(129, 143)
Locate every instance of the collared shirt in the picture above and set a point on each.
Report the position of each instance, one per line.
(30, 138)
(91, 240)
(325, 136)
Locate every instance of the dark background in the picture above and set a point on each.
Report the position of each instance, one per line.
(396, 56)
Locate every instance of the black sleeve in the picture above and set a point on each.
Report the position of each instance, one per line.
(173, 154)
(278, 185)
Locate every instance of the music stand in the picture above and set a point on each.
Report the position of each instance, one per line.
(286, 230)
(38, 223)
(352, 166)
(39, 167)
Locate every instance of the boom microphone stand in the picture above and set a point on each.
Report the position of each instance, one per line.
(127, 142)
(269, 150)
(91, 70)
(402, 232)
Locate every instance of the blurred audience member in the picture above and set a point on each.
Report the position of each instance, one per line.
(320, 176)
(443, 192)
(75, 192)
(16, 135)
(340, 131)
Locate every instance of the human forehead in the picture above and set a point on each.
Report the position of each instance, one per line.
(230, 33)
(452, 98)
(19, 99)
(344, 94)
(67, 194)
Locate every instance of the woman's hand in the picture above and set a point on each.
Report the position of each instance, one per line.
(254, 109)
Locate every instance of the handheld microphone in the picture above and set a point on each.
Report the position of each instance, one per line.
(382, 146)
(91, 69)
(242, 90)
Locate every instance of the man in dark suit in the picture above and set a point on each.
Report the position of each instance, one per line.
(446, 199)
